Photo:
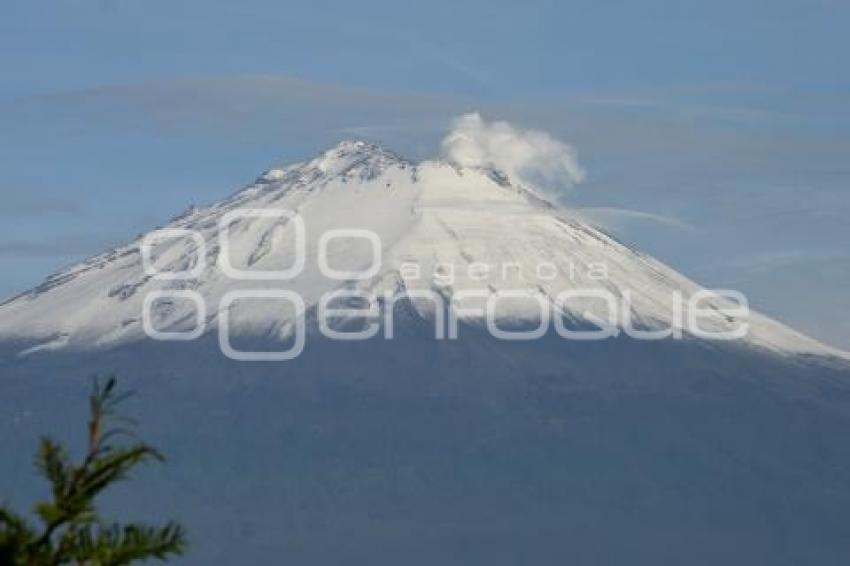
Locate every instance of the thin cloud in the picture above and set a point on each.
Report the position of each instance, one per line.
(38, 209)
(612, 217)
(451, 60)
(776, 259)
(63, 247)
(227, 103)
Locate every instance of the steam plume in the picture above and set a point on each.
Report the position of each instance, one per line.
(531, 156)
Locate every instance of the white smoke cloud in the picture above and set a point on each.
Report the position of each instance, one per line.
(532, 157)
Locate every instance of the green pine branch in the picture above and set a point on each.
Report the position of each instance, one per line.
(72, 531)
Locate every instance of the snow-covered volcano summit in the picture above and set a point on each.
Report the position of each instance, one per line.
(440, 228)
(428, 450)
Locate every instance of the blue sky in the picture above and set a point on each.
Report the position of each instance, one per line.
(716, 135)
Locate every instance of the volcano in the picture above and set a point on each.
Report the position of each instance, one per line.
(358, 358)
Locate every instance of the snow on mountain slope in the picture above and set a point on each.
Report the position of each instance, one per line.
(441, 227)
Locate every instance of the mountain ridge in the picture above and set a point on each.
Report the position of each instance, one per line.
(435, 214)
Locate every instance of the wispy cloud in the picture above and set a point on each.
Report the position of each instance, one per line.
(236, 102)
(38, 208)
(450, 59)
(776, 259)
(613, 218)
(64, 247)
